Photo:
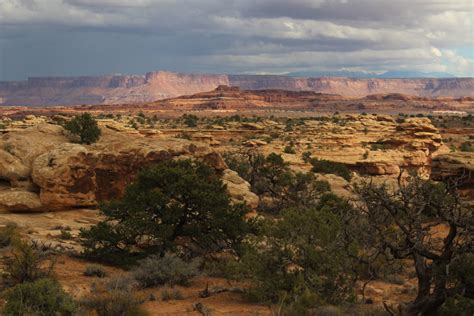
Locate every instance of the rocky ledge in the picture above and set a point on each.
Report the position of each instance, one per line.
(40, 170)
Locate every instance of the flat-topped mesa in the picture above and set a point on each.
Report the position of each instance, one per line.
(224, 88)
(120, 89)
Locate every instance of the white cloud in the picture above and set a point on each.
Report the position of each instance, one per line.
(355, 34)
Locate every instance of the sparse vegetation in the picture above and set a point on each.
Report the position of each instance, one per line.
(326, 166)
(171, 294)
(95, 271)
(40, 297)
(467, 147)
(170, 270)
(289, 149)
(114, 302)
(27, 264)
(8, 234)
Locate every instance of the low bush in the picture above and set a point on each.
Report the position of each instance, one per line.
(289, 150)
(8, 234)
(326, 166)
(95, 271)
(42, 297)
(65, 235)
(457, 305)
(169, 269)
(173, 294)
(27, 264)
(114, 303)
(467, 147)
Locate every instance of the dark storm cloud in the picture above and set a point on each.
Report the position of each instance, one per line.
(60, 37)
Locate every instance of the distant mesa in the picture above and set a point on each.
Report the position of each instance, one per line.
(128, 89)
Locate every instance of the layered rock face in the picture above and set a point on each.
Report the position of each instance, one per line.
(58, 175)
(370, 145)
(161, 85)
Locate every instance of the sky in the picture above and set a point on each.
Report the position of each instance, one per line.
(93, 37)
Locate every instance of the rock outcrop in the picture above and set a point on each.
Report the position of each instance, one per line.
(368, 144)
(239, 189)
(458, 167)
(19, 201)
(65, 175)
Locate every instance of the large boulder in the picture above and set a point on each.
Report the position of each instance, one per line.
(11, 167)
(29, 143)
(19, 201)
(239, 189)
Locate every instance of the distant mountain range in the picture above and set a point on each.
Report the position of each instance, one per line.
(401, 74)
(123, 89)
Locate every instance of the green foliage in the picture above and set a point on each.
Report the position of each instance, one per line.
(272, 177)
(85, 127)
(170, 270)
(66, 235)
(41, 297)
(326, 166)
(174, 200)
(8, 234)
(115, 302)
(307, 156)
(27, 264)
(95, 271)
(300, 256)
(457, 305)
(190, 120)
(467, 147)
(289, 149)
(173, 294)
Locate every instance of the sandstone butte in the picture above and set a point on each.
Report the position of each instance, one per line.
(40, 170)
(119, 89)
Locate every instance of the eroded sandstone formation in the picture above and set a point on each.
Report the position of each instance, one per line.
(41, 171)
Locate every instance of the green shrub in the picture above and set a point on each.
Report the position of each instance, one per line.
(190, 120)
(289, 149)
(85, 127)
(301, 255)
(326, 166)
(65, 234)
(42, 297)
(174, 200)
(457, 305)
(169, 269)
(114, 303)
(307, 156)
(27, 264)
(173, 294)
(467, 147)
(95, 271)
(8, 234)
